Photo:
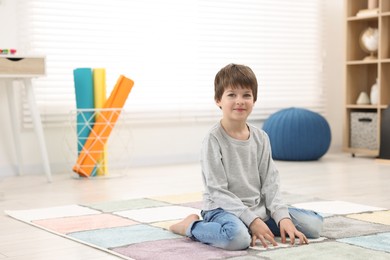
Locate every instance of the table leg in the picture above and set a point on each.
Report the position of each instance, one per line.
(36, 118)
(14, 123)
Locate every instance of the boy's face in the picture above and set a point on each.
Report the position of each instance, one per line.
(236, 103)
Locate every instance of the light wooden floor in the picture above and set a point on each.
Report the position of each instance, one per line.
(334, 177)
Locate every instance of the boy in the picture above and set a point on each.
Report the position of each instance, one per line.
(242, 201)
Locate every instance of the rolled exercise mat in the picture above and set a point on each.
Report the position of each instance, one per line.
(83, 84)
(100, 131)
(99, 88)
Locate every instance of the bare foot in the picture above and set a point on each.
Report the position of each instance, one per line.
(181, 227)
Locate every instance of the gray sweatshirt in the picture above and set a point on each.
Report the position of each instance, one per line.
(240, 176)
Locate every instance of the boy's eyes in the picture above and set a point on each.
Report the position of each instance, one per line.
(233, 95)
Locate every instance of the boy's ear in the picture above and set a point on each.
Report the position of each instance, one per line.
(217, 102)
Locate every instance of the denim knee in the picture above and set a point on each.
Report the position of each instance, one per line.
(238, 239)
(314, 229)
(308, 222)
(220, 229)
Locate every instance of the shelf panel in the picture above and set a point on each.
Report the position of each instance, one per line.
(367, 152)
(384, 38)
(354, 106)
(372, 107)
(385, 84)
(363, 18)
(362, 62)
(385, 6)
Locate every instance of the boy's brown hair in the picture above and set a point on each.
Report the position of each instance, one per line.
(235, 76)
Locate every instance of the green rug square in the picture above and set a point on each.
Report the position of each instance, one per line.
(342, 227)
(120, 205)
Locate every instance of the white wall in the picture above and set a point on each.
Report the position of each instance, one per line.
(7, 40)
(334, 55)
(160, 143)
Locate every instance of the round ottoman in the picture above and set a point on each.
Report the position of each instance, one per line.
(297, 134)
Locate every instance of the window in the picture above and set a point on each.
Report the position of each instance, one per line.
(172, 50)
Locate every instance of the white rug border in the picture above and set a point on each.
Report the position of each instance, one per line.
(13, 214)
(9, 213)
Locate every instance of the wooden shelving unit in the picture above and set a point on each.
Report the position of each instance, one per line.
(361, 74)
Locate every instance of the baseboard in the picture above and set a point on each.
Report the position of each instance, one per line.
(6, 171)
(31, 169)
(143, 161)
(383, 161)
(140, 161)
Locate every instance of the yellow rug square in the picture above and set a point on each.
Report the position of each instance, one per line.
(165, 224)
(380, 217)
(180, 199)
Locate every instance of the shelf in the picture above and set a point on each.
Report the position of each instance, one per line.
(361, 74)
(362, 62)
(360, 78)
(354, 106)
(368, 107)
(361, 18)
(367, 152)
(354, 31)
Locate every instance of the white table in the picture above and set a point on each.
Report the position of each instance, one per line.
(24, 68)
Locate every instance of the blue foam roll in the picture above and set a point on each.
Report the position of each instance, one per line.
(83, 83)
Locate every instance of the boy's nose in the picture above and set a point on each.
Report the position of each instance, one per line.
(239, 100)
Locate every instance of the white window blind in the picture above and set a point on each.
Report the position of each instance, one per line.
(172, 49)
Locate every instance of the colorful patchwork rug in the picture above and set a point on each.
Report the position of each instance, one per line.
(138, 229)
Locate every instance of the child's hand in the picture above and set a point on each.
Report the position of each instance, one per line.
(261, 231)
(287, 227)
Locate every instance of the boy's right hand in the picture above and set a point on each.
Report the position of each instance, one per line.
(261, 231)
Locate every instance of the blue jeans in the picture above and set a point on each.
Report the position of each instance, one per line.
(224, 230)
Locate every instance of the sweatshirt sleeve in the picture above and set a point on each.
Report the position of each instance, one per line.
(216, 182)
(271, 184)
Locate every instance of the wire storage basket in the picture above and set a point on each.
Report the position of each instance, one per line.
(97, 143)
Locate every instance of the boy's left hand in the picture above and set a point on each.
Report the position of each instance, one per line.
(288, 227)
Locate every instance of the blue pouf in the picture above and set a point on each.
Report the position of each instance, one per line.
(297, 134)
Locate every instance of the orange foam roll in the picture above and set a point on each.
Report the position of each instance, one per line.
(104, 123)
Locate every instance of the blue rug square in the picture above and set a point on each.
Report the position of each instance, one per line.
(377, 242)
(120, 236)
